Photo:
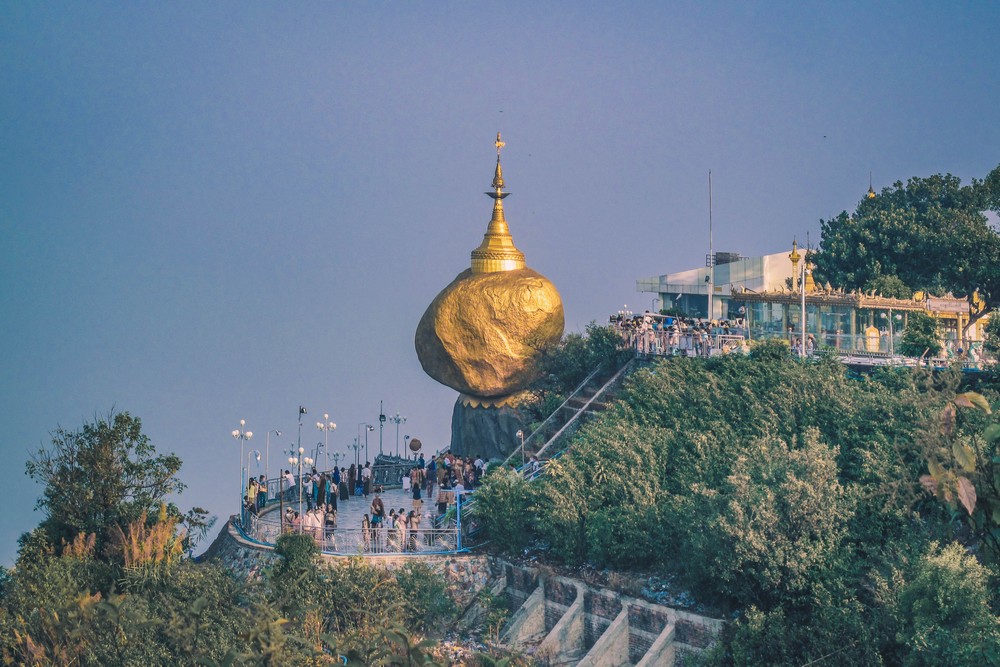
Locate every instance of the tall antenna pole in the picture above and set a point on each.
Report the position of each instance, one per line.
(711, 252)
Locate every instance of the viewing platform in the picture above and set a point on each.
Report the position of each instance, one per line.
(435, 533)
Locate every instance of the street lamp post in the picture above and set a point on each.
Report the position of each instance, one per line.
(802, 296)
(326, 426)
(299, 459)
(267, 457)
(242, 435)
(406, 442)
(317, 449)
(520, 434)
(397, 420)
(381, 423)
(892, 346)
(302, 411)
(253, 453)
(368, 429)
(356, 446)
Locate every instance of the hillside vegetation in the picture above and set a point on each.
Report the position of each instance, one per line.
(788, 497)
(104, 579)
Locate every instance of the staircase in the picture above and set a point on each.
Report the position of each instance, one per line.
(548, 441)
(589, 398)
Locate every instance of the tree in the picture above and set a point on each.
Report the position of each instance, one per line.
(104, 476)
(992, 341)
(920, 336)
(500, 504)
(963, 464)
(768, 532)
(931, 234)
(563, 366)
(943, 611)
(890, 286)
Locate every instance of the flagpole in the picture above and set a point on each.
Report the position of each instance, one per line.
(711, 252)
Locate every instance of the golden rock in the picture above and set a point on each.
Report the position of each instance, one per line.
(483, 334)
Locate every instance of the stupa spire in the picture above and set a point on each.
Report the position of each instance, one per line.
(497, 252)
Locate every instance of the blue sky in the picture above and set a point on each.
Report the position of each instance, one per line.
(215, 211)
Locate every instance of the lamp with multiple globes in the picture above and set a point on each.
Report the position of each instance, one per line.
(298, 458)
(242, 435)
(326, 426)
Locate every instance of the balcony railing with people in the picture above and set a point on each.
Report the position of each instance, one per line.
(264, 521)
(375, 540)
(667, 336)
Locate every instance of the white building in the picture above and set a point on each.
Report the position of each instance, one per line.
(688, 290)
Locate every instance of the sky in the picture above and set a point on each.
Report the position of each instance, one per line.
(221, 211)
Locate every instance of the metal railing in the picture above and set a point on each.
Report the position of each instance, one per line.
(856, 348)
(583, 408)
(541, 429)
(267, 528)
(387, 475)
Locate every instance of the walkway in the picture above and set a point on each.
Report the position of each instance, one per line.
(348, 538)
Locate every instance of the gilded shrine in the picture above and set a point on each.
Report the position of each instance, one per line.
(482, 334)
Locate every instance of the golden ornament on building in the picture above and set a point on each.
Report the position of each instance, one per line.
(483, 334)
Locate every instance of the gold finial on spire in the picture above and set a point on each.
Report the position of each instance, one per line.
(795, 257)
(871, 190)
(497, 252)
(498, 174)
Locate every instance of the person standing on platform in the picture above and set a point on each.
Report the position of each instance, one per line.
(366, 479)
(431, 472)
(261, 492)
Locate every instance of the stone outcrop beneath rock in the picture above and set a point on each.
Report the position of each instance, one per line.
(484, 431)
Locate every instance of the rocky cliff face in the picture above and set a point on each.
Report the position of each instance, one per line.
(484, 431)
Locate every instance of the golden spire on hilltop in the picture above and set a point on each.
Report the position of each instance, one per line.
(497, 252)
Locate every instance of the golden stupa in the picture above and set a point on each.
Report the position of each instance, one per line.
(483, 333)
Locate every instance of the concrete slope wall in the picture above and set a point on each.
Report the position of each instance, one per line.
(559, 620)
(566, 622)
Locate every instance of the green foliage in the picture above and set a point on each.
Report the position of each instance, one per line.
(772, 528)
(426, 603)
(834, 634)
(500, 503)
(496, 613)
(783, 491)
(920, 336)
(562, 367)
(929, 234)
(130, 598)
(770, 349)
(992, 339)
(962, 452)
(298, 553)
(943, 611)
(889, 286)
(105, 475)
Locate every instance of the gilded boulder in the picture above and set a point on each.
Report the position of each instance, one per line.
(483, 333)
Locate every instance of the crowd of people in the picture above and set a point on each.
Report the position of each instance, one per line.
(381, 530)
(651, 333)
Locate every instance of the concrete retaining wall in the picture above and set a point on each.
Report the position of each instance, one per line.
(561, 619)
(591, 627)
